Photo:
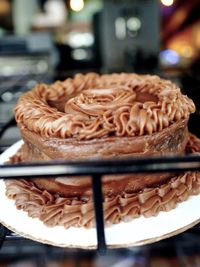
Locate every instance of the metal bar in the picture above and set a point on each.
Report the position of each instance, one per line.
(91, 167)
(98, 209)
(3, 233)
(10, 123)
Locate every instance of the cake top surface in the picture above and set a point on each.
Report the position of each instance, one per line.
(96, 106)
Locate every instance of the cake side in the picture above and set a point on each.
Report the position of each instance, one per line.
(171, 140)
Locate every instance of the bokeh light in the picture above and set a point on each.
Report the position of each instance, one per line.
(167, 2)
(77, 5)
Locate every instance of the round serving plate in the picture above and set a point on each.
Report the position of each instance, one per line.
(139, 231)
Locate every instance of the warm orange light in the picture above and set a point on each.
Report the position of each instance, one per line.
(4, 7)
(187, 51)
(167, 2)
(77, 5)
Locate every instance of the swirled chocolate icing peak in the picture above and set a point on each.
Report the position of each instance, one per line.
(93, 106)
(95, 102)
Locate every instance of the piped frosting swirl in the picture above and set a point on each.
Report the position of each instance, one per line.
(94, 106)
(55, 210)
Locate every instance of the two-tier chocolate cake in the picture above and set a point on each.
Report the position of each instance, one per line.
(103, 117)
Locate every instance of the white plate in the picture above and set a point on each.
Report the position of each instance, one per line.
(137, 232)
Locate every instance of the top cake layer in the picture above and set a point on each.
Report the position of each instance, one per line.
(94, 106)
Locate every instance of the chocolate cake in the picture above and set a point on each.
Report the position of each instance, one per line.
(103, 117)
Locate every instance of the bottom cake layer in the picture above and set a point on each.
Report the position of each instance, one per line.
(54, 210)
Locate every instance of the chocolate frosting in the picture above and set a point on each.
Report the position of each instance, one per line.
(193, 144)
(93, 106)
(171, 140)
(54, 210)
(107, 116)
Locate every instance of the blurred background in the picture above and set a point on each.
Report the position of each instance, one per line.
(47, 40)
